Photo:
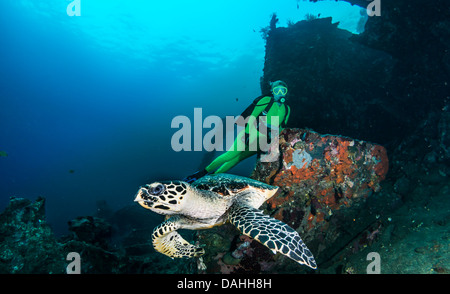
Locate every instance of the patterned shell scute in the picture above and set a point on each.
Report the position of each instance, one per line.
(226, 184)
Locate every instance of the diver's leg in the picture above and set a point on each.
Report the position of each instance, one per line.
(230, 164)
(232, 154)
(222, 159)
(194, 177)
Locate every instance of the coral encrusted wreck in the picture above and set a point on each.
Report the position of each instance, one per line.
(326, 181)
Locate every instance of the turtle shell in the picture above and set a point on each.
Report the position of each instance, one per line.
(226, 184)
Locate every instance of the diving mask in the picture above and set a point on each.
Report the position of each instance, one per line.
(279, 90)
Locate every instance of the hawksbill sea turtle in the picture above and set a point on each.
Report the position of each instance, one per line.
(212, 201)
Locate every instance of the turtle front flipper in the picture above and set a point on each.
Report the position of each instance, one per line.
(167, 241)
(270, 232)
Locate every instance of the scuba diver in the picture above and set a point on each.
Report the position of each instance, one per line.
(265, 105)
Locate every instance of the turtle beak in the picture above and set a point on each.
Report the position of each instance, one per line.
(139, 195)
(142, 197)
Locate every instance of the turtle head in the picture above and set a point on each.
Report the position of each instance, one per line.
(162, 197)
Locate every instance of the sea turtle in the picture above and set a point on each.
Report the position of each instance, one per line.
(212, 201)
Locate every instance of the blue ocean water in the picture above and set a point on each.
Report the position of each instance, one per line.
(87, 101)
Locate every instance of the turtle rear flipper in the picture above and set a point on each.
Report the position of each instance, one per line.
(167, 241)
(270, 232)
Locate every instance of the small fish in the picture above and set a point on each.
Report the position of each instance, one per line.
(237, 99)
(71, 171)
(3, 154)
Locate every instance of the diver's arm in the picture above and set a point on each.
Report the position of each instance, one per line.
(259, 107)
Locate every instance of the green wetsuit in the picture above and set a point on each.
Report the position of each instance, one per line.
(233, 156)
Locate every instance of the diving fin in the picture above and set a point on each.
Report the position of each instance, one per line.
(194, 177)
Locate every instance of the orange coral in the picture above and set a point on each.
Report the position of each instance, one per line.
(329, 199)
(382, 167)
(279, 214)
(306, 173)
(288, 155)
(320, 217)
(339, 160)
(278, 201)
(272, 173)
(340, 170)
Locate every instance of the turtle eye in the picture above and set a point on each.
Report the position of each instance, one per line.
(157, 190)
